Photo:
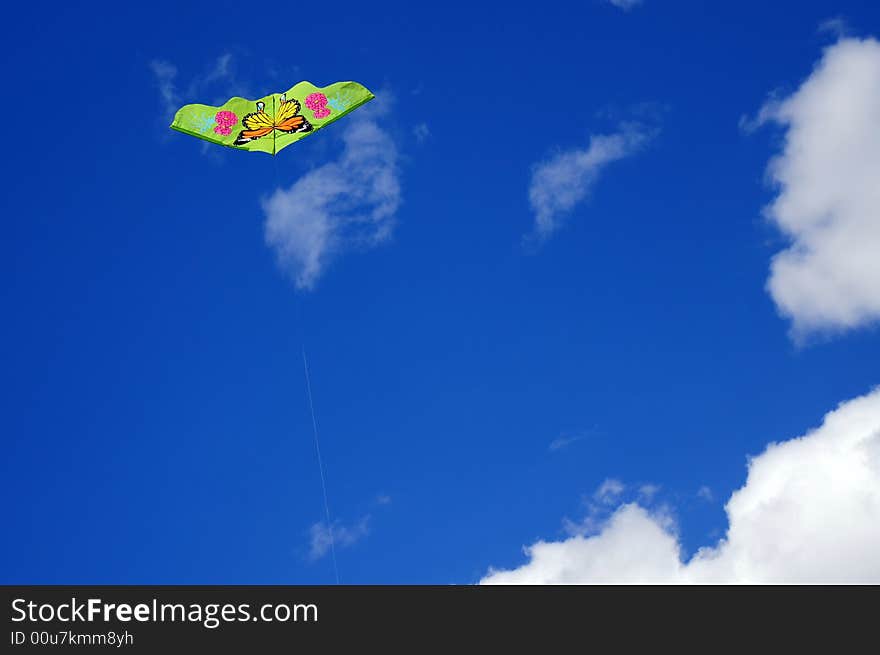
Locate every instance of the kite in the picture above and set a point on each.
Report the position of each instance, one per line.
(269, 125)
(274, 122)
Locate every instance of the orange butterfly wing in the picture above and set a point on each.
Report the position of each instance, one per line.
(292, 124)
(250, 135)
(288, 119)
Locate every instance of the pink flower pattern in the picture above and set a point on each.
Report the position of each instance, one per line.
(225, 120)
(317, 102)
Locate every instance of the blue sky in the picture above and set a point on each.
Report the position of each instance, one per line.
(473, 385)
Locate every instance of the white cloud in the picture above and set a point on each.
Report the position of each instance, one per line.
(705, 493)
(221, 70)
(809, 512)
(647, 492)
(609, 491)
(837, 27)
(219, 82)
(560, 443)
(609, 495)
(828, 205)
(626, 5)
(565, 180)
(421, 132)
(324, 536)
(166, 79)
(345, 204)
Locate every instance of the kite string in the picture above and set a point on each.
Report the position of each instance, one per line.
(320, 466)
(315, 430)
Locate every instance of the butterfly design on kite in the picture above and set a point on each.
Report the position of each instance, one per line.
(287, 119)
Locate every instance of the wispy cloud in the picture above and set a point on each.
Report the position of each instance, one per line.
(705, 493)
(626, 5)
(166, 80)
(560, 443)
(609, 491)
(421, 132)
(838, 27)
(324, 536)
(828, 203)
(346, 204)
(217, 83)
(560, 183)
(648, 491)
(222, 69)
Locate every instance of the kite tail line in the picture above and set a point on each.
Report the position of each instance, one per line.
(315, 430)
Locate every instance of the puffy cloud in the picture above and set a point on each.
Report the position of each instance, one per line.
(828, 204)
(809, 512)
(562, 182)
(633, 548)
(346, 204)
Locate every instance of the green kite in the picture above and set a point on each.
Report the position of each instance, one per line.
(272, 123)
